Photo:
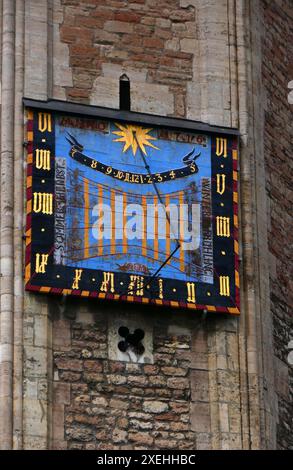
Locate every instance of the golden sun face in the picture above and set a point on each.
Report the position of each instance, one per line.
(127, 134)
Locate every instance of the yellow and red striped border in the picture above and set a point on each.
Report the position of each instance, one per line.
(29, 161)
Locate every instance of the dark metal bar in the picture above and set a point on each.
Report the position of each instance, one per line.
(153, 277)
(124, 93)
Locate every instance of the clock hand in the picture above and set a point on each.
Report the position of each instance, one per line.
(147, 167)
(178, 245)
(154, 276)
(155, 187)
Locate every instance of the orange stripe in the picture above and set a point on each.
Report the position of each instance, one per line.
(234, 311)
(29, 206)
(174, 304)
(156, 229)
(86, 218)
(113, 212)
(235, 154)
(235, 175)
(28, 235)
(66, 291)
(235, 197)
(45, 289)
(29, 158)
(30, 136)
(30, 114)
(27, 272)
(144, 227)
(124, 222)
(85, 293)
(168, 241)
(193, 306)
(100, 202)
(236, 221)
(181, 254)
(29, 181)
(236, 247)
(210, 308)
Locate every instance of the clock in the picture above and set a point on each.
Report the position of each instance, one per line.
(131, 207)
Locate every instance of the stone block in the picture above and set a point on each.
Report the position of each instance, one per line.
(200, 417)
(156, 407)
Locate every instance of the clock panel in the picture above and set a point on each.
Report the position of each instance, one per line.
(132, 212)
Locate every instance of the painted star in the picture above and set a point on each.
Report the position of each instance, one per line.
(142, 139)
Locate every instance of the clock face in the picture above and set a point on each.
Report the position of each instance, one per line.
(127, 211)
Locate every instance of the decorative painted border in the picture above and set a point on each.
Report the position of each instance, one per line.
(107, 296)
(236, 223)
(29, 161)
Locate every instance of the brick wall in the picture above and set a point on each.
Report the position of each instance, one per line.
(134, 35)
(104, 404)
(277, 72)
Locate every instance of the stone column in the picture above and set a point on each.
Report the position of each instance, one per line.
(6, 246)
(37, 329)
(19, 221)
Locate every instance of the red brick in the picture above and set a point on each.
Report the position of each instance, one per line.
(103, 14)
(78, 93)
(94, 366)
(68, 34)
(180, 407)
(141, 438)
(153, 43)
(88, 21)
(146, 59)
(116, 366)
(167, 417)
(151, 370)
(127, 16)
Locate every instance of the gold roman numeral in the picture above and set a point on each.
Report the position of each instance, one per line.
(224, 286)
(221, 184)
(136, 285)
(108, 282)
(41, 262)
(77, 278)
(223, 227)
(191, 292)
(43, 202)
(44, 122)
(161, 295)
(221, 147)
(43, 159)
